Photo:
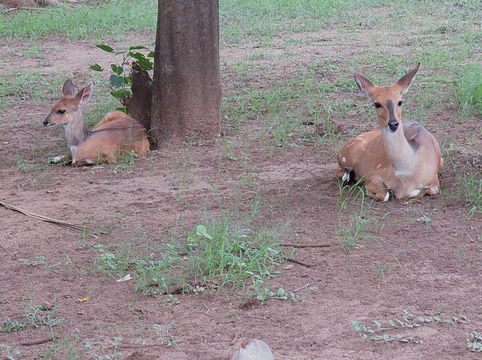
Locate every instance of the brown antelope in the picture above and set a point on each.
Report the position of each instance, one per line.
(398, 157)
(114, 134)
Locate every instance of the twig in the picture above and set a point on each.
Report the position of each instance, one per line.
(137, 346)
(47, 219)
(208, 309)
(299, 263)
(25, 8)
(38, 342)
(8, 252)
(305, 246)
(75, 267)
(302, 287)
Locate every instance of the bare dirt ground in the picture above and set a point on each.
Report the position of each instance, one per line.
(424, 258)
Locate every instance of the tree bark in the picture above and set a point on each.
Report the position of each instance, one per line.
(186, 94)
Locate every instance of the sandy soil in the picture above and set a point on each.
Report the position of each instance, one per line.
(423, 258)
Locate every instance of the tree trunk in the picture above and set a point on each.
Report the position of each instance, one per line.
(186, 93)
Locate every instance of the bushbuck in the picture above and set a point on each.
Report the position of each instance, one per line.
(116, 133)
(399, 158)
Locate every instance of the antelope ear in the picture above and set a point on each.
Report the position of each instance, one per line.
(68, 88)
(85, 94)
(406, 80)
(363, 83)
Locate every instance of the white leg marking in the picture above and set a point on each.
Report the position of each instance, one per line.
(346, 177)
(414, 193)
(387, 197)
(88, 161)
(57, 159)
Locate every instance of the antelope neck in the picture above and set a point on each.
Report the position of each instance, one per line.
(75, 131)
(401, 155)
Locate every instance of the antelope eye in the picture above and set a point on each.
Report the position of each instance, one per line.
(377, 105)
(400, 103)
(61, 111)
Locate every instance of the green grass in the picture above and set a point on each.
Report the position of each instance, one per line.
(470, 189)
(109, 19)
(221, 251)
(354, 223)
(468, 91)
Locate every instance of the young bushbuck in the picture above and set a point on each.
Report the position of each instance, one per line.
(399, 157)
(116, 133)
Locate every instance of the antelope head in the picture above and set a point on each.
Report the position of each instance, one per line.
(387, 100)
(67, 110)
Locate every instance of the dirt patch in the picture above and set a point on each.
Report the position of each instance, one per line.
(419, 257)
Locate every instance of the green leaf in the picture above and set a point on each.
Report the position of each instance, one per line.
(201, 231)
(143, 62)
(106, 48)
(138, 47)
(116, 81)
(117, 69)
(151, 54)
(124, 110)
(96, 67)
(120, 93)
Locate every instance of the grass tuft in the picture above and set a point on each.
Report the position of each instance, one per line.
(469, 91)
(221, 251)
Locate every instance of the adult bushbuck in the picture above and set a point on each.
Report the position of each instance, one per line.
(114, 134)
(398, 157)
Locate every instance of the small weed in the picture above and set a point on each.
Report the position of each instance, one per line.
(172, 300)
(9, 352)
(114, 353)
(474, 343)
(41, 315)
(263, 294)
(165, 333)
(36, 315)
(10, 325)
(125, 161)
(425, 219)
(372, 332)
(38, 260)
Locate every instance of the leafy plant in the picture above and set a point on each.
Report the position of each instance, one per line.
(372, 332)
(120, 81)
(263, 294)
(10, 325)
(474, 343)
(11, 352)
(38, 260)
(165, 333)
